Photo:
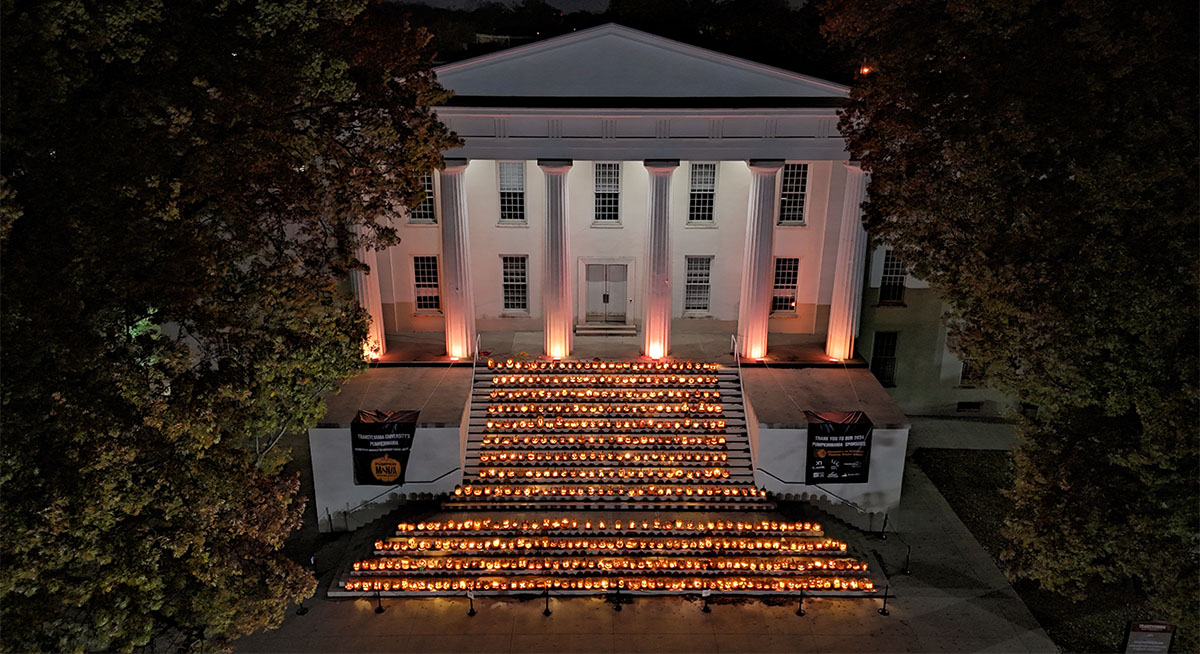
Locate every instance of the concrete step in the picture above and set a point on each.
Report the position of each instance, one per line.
(606, 330)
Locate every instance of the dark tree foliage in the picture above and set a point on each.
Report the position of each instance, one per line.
(182, 185)
(1036, 162)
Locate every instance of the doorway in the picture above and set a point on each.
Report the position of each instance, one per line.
(607, 292)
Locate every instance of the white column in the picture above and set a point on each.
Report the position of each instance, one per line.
(845, 307)
(458, 304)
(757, 267)
(556, 277)
(366, 291)
(656, 321)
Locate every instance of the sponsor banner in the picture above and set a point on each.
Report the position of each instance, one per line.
(381, 442)
(839, 447)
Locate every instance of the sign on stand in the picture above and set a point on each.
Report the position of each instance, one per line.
(839, 447)
(381, 442)
(1149, 637)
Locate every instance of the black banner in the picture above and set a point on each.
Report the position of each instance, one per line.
(839, 447)
(381, 442)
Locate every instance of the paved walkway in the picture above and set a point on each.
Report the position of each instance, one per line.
(955, 600)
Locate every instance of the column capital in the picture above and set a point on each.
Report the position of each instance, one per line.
(854, 166)
(661, 166)
(555, 166)
(454, 166)
(765, 166)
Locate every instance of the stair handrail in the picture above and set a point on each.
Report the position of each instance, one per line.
(733, 346)
(366, 503)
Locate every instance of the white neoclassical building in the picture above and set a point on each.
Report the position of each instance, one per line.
(613, 181)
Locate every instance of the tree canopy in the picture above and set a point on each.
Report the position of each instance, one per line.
(183, 185)
(1036, 162)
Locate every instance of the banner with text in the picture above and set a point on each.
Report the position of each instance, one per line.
(381, 442)
(839, 447)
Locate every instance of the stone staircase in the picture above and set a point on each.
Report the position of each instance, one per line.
(589, 477)
(612, 437)
(606, 330)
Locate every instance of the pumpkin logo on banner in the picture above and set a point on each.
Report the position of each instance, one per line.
(385, 468)
(380, 444)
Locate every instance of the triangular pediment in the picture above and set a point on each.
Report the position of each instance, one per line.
(612, 61)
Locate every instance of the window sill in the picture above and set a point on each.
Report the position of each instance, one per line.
(791, 223)
(899, 305)
(700, 224)
(512, 223)
(514, 313)
(604, 224)
(701, 315)
(426, 313)
(783, 314)
(428, 223)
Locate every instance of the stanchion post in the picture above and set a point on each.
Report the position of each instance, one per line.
(705, 594)
(302, 609)
(884, 610)
(378, 602)
(907, 560)
(617, 603)
(547, 611)
(883, 529)
(471, 599)
(800, 609)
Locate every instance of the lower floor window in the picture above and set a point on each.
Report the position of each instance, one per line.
(695, 296)
(515, 282)
(787, 273)
(425, 281)
(883, 358)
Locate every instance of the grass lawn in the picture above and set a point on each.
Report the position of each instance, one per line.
(971, 481)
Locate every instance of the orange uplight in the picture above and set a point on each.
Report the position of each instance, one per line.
(655, 351)
(864, 70)
(834, 359)
(372, 350)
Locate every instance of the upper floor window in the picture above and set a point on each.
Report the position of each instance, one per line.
(792, 189)
(512, 191)
(702, 191)
(425, 283)
(424, 212)
(971, 376)
(891, 285)
(787, 273)
(608, 192)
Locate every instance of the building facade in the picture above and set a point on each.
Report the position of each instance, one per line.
(611, 177)
(904, 338)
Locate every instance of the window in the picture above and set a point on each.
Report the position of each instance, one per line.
(703, 190)
(883, 358)
(512, 191)
(515, 282)
(791, 194)
(424, 212)
(695, 295)
(608, 191)
(425, 281)
(891, 288)
(787, 271)
(972, 375)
